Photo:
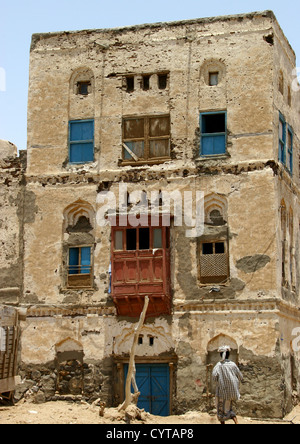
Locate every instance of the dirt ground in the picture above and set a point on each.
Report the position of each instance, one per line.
(63, 412)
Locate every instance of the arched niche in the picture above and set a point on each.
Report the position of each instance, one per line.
(79, 216)
(215, 209)
(213, 356)
(82, 81)
(69, 366)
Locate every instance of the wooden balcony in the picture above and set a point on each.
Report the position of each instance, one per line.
(143, 271)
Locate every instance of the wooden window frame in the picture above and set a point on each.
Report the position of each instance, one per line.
(80, 280)
(164, 235)
(211, 75)
(207, 280)
(162, 80)
(146, 139)
(73, 143)
(206, 135)
(87, 84)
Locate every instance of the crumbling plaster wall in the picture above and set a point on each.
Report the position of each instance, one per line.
(182, 49)
(11, 205)
(46, 241)
(244, 309)
(255, 330)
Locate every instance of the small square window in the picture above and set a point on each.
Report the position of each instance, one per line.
(162, 81)
(146, 83)
(146, 138)
(130, 84)
(213, 78)
(213, 263)
(220, 248)
(207, 248)
(83, 88)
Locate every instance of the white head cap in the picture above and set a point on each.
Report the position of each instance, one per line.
(224, 349)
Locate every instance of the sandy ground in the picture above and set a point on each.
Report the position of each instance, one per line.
(62, 412)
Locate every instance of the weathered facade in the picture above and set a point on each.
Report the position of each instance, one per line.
(201, 105)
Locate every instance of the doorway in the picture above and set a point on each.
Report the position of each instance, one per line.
(153, 381)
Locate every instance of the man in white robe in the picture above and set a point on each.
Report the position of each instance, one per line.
(227, 377)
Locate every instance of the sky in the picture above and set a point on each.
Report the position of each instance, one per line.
(19, 19)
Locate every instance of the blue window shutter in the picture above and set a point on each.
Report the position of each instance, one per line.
(76, 153)
(73, 260)
(282, 139)
(290, 147)
(81, 139)
(207, 146)
(81, 152)
(85, 260)
(219, 144)
(81, 130)
(213, 128)
(75, 131)
(87, 130)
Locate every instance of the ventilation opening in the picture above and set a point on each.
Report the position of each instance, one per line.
(162, 81)
(83, 88)
(213, 78)
(146, 83)
(130, 84)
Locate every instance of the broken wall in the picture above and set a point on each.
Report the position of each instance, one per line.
(11, 204)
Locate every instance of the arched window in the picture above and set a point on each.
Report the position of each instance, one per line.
(82, 82)
(213, 72)
(213, 250)
(78, 249)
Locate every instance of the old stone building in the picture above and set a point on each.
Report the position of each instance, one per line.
(140, 114)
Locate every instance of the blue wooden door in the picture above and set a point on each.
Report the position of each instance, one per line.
(153, 381)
